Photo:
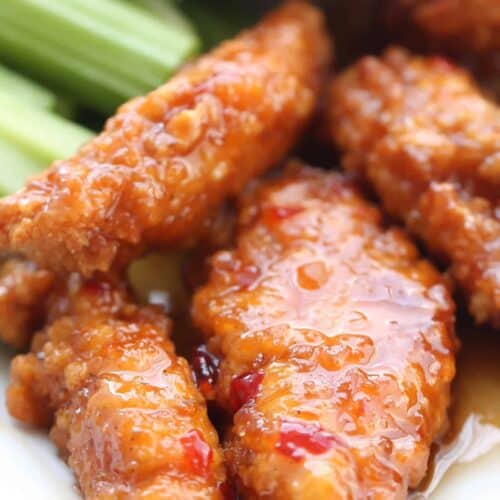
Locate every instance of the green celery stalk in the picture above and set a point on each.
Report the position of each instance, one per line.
(93, 87)
(123, 15)
(166, 12)
(43, 136)
(16, 167)
(70, 22)
(25, 89)
(101, 51)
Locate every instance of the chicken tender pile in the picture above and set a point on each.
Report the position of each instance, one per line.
(124, 407)
(457, 23)
(336, 344)
(165, 160)
(23, 290)
(421, 132)
(329, 343)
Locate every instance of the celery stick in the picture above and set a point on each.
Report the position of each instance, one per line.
(165, 11)
(65, 26)
(25, 89)
(42, 135)
(16, 167)
(123, 16)
(93, 86)
(101, 51)
(142, 33)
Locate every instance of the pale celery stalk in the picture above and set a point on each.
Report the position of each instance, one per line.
(43, 136)
(16, 167)
(103, 52)
(165, 12)
(26, 90)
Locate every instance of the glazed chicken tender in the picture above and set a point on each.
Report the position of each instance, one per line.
(165, 161)
(124, 408)
(420, 131)
(23, 291)
(474, 24)
(336, 343)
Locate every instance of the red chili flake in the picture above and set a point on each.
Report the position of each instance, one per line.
(206, 370)
(274, 215)
(197, 452)
(96, 287)
(227, 491)
(244, 388)
(299, 438)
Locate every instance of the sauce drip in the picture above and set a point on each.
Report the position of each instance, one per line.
(96, 287)
(244, 388)
(298, 438)
(274, 215)
(206, 371)
(227, 491)
(198, 452)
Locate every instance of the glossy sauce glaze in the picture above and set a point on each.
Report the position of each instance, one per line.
(419, 130)
(336, 342)
(123, 408)
(167, 160)
(461, 460)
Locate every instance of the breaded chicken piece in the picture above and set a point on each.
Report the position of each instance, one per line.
(124, 408)
(23, 290)
(336, 343)
(460, 24)
(421, 132)
(165, 161)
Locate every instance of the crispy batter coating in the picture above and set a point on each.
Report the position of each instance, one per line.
(336, 342)
(166, 160)
(474, 24)
(23, 290)
(420, 131)
(124, 407)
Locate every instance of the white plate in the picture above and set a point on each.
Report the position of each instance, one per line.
(29, 466)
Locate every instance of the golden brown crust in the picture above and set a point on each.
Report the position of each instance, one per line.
(23, 291)
(126, 411)
(413, 126)
(472, 24)
(166, 160)
(336, 341)
(443, 213)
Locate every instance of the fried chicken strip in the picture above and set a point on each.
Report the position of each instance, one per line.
(474, 24)
(124, 408)
(336, 344)
(165, 161)
(421, 132)
(23, 290)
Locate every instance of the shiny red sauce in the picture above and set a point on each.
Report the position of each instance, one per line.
(298, 438)
(206, 370)
(96, 287)
(197, 451)
(274, 215)
(227, 491)
(244, 388)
